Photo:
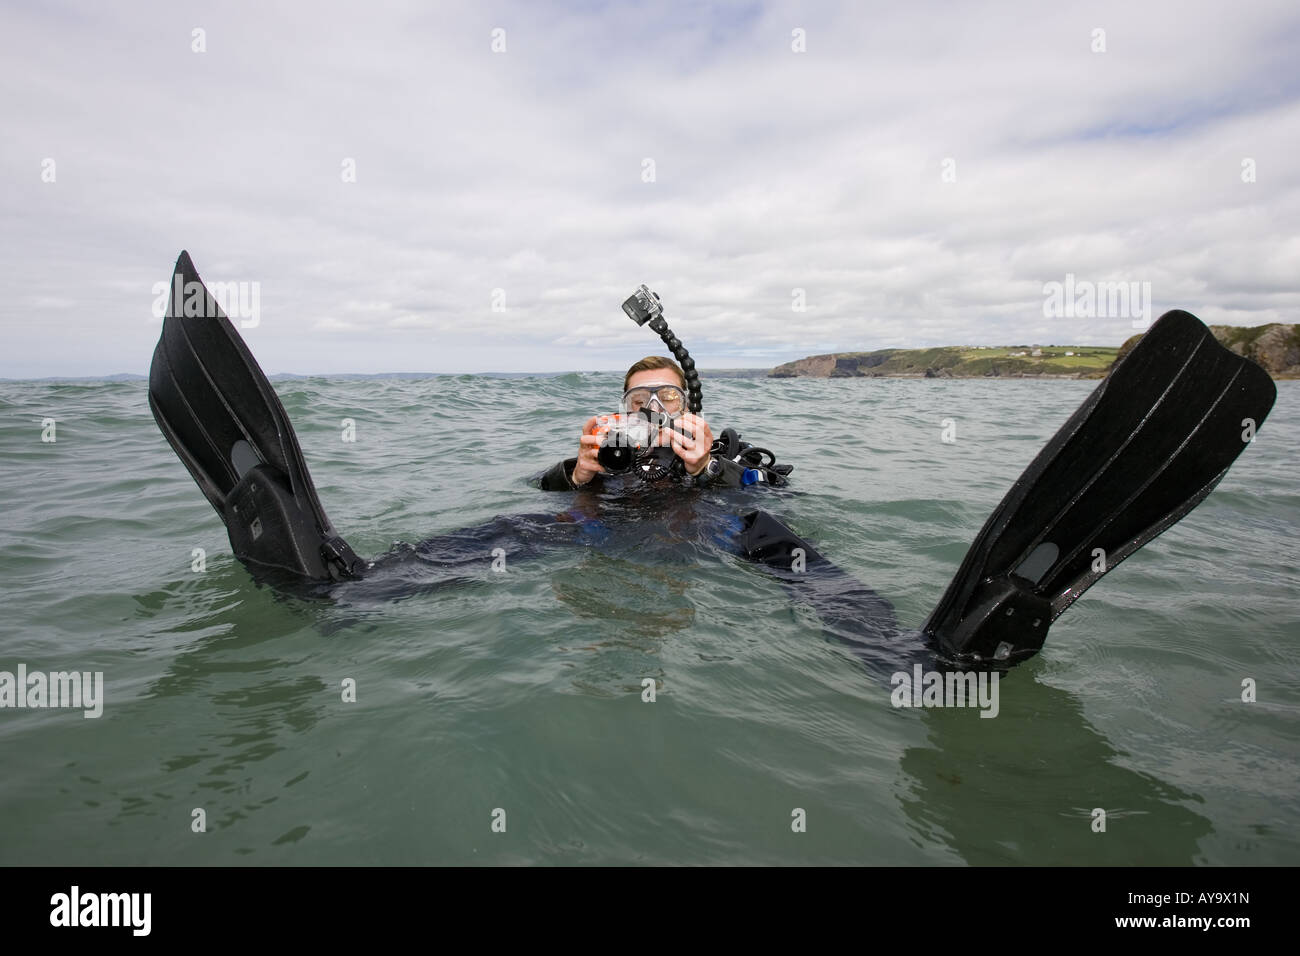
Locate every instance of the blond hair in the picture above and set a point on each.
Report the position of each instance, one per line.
(653, 362)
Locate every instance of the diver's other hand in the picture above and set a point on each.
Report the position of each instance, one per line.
(691, 440)
(588, 466)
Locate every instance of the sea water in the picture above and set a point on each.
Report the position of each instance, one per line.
(642, 697)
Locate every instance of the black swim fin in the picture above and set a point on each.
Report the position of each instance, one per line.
(1148, 445)
(226, 423)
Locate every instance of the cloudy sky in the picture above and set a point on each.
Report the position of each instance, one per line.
(462, 187)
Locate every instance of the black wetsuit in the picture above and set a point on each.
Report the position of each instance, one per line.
(849, 610)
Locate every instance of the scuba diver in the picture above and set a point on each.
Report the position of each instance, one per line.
(661, 404)
(658, 434)
(1149, 444)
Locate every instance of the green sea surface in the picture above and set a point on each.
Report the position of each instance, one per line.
(502, 719)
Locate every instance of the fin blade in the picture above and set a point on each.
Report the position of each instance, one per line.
(1148, 445)
(225, 422)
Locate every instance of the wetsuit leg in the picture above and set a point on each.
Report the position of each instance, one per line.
(850, 611)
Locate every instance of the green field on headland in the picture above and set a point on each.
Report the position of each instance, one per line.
(1275, 347)
(1055, 361)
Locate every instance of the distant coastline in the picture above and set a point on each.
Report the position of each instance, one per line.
(372, 376)
(1275, 347)
(958, 361)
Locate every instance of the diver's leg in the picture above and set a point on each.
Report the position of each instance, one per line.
(497, 542)
(850, 611)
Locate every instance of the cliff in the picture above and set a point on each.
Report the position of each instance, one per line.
(1275, 347)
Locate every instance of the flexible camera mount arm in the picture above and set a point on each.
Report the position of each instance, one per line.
(643, 307)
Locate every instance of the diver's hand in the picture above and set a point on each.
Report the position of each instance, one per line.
(587, 467)
(690, 439)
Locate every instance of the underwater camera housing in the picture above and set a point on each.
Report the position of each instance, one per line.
(626, 438)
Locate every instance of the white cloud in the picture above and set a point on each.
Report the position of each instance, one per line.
(522, 171)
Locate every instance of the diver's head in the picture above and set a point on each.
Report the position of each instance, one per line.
(655, 384)
(654, 395)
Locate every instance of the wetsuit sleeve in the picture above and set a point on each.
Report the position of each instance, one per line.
(556, 478)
